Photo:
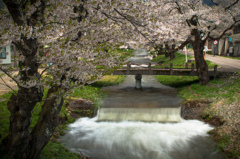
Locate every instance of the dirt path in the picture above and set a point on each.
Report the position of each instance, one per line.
(7, 84)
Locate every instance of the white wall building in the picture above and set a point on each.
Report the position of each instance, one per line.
(5, 54)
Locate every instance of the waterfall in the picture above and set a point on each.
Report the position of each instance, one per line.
(140, 114)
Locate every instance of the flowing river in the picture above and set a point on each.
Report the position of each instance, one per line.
(126, 127)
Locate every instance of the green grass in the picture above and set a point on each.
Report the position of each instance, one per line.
(178, 61)
(4, 115)
(177, 81)
(56, 150)
(215, 89)
(109, 81)
(122, 53)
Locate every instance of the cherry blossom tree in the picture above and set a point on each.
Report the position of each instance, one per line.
(64, 36)
(192, 21)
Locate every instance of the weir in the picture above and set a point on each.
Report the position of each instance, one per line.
(151, 102)
(140, 114)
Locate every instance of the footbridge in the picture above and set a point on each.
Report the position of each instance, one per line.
(148, 69)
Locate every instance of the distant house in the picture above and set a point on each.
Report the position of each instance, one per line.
(223, 45)
(229, 44)
(236, 40)
(5, 54)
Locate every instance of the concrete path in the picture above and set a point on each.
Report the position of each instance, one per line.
(227, 64)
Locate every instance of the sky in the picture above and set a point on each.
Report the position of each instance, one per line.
(208, 2)
(1, 3)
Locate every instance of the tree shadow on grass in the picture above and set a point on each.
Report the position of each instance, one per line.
(180, 84)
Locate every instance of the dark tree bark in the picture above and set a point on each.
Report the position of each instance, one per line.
(159, 49)
(172, 52)
(167, 50)
(21, 104)
(47, 122)
(201, 65)
(21, 142)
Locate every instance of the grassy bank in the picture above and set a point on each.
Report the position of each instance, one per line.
(122, 53)
(54, 149)
(178, 62)
(224, 95)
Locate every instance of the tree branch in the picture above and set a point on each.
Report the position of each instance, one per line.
(44, 71)
(8, 86)
(214, 3)
(132, 24)
(179, 8)
(183, 44)
(231, 27)
(9, 75)
(16, 12)
(232, 5)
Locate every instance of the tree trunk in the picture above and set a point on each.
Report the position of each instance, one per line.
(47, 122)
(201, 64)
(21, 107)
(172, 54)
(21, 104)
(160, 50)
(166, 50)
(14, 56)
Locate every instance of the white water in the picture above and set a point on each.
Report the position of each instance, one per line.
(187, 139)
(140, 114)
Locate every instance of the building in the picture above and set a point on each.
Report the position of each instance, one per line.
(222, 46)
(236, 40)
(229, 44)
(5, 54)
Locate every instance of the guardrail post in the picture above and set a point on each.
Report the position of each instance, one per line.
(171, 71)
(186, 65)
(215, 71)
(149, 66)
(128, 68)
(192, 69)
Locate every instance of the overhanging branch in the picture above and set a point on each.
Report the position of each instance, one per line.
(129, 20)
(9, 75)
(232, 5)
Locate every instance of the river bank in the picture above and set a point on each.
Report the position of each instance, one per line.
(217, 103)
